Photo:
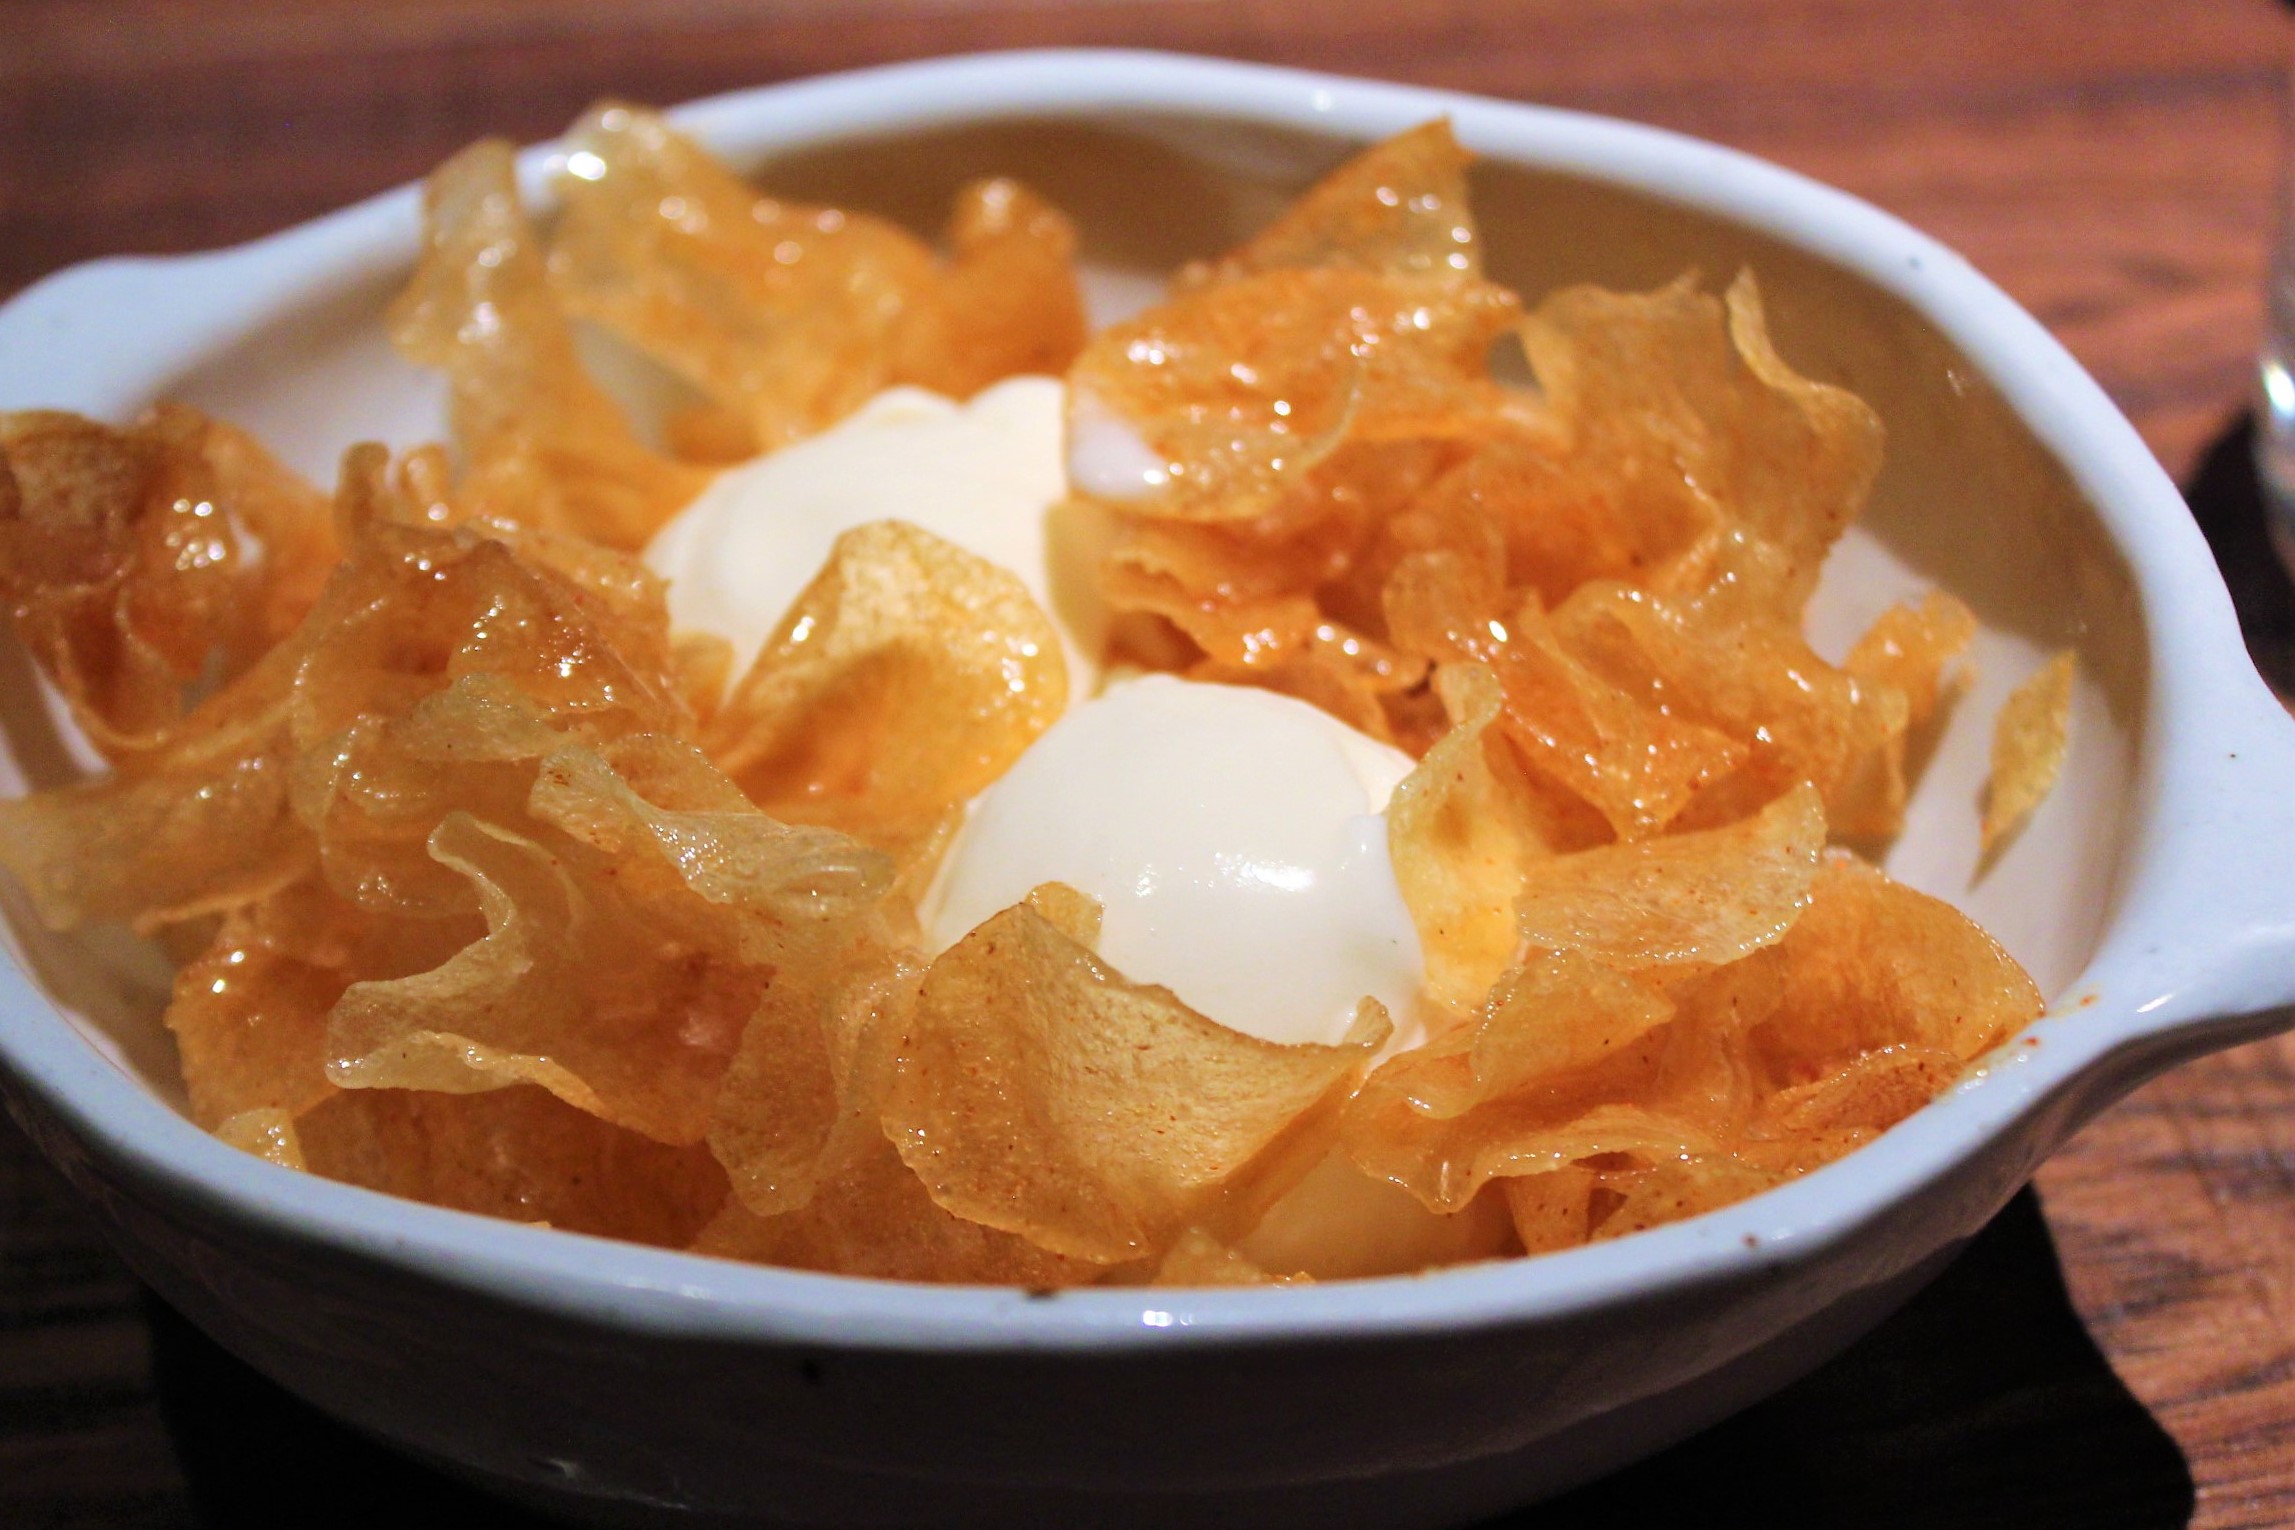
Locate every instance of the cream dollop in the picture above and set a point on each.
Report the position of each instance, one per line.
(1233, 838)
(986, 475)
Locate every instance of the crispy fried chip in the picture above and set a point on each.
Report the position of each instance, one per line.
(197, 827)
(267, 1132)
(1557, 1013)
(784, 312)
(1873, 964)
(250, 1012)
(873, 1217)
(1036, 1091)
(908, 675)
(788, 316)
(1007, 303)
(515, 1153)
(1714, 896)
(2029, 740)
(1787, 714)
(1637, 764)
(146, 564)
(545, 446)
(1462, 833)
(1553, 1210)
(623, 957)
(1216, 405)
(1199, 1259)
(1911, 647)
(1399, 207)
(1680, 410)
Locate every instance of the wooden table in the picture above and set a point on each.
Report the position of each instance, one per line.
(2108, 161)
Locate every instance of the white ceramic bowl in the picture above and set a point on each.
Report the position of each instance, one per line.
(2153, 895)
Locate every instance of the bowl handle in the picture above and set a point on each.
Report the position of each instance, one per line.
(2214, 889)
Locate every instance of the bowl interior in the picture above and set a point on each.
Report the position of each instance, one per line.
(1968, 500)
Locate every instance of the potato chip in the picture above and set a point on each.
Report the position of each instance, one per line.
(1399, 207)
(908, 675)
(1670, 1191)
(544, 445)
(1713, 897)
(805, 1092)
(1557, 1013)
(1462, 833)
(249, 1013)
(1867, 1094)
(515, 1153)
(1789, 716)
(621, 979)
(144, 566)
(1639, 765)
(1236, 392)
(1445, 1163)
(1680, 410)
(1006, 304)
(268, 1133)
(1873, 964)
(789, 316)
(1553, 1210)
(872, 1217)
(1557, 525)
(1911, 647)
(2029, 741)
(1196, 1258)
(1036, 1091)
(784, 312)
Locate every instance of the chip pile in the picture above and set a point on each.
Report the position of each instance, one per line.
(481, 895)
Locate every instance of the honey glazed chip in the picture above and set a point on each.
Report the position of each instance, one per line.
(487, 888)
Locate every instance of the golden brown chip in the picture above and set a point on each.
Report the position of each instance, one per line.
(786, 313)
(1873, 964)
(267, 1132)
(2029, 740)
(545, 446)
(1867, 1094)
(624, 955)
(1789, 715)
(1398, 207)
(1006, 304)
(1197, 1258)
(1557, 1013)
(1553, 1210)
(872, 1217)
(146, 565)
(1036, 1091)
(199, 826)
(1910, 647)
(803, 1097)
(1669, 1191)
(1559, 525)
(1226, 398)
(1462, 833)
(514, 1153)
(1714, 896)
(908, 675)
(1638, 764)
(1446, 1163)
(249, 1013)
(1679, 408)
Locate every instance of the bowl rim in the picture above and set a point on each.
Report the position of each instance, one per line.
(2161, 983)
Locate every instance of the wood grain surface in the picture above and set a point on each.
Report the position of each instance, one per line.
(2109, 162)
